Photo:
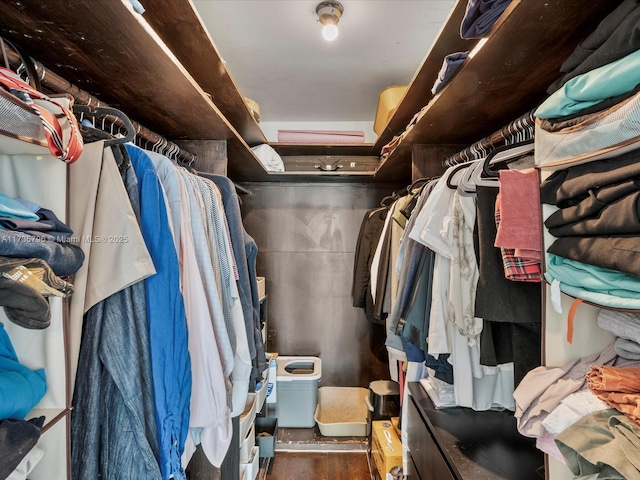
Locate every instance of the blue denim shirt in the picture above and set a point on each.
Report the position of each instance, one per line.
(170, 362)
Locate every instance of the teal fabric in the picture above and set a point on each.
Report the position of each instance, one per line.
(11, 208)
(20, 387)
(598, 285)
(588, 89)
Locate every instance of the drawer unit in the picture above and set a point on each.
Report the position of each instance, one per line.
(428, 459)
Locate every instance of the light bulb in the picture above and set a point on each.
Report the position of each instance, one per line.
(330, 32)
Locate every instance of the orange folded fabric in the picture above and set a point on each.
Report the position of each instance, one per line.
(618, 387)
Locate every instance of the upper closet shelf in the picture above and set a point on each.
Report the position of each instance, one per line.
(111, 51)
(419, 92)
(320, 162)
(504, 76)
(297, 149)
(194, 48)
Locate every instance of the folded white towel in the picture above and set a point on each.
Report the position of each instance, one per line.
(269, 158)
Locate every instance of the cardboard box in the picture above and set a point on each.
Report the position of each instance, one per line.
(386, 451)
(395, 421)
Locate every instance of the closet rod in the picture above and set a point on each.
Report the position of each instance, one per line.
(241, 189)
(57, 84)
(522, 125)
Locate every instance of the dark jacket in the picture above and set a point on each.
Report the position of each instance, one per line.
(370, 231)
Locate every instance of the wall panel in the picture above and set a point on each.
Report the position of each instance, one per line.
(306, 236)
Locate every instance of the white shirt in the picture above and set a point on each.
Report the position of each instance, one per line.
(209, 411)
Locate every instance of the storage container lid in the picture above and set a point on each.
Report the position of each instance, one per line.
(384, 387)
(298, 368)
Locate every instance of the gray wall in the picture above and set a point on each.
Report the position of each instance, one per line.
(306, 236)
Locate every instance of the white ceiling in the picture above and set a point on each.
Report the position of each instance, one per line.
(275, 52)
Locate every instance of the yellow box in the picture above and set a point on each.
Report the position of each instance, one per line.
(388, 102)
(386, 451)
(395, 421)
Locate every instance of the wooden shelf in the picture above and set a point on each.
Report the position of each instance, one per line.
(114, 54)
(128, 61)
(300, 159)
(193, 47)
(333, 149)
(504, 76)
(419, 92)
(317, 176)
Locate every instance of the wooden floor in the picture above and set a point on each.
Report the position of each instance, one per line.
(319, 466)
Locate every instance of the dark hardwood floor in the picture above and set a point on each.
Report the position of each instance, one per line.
(319, 466)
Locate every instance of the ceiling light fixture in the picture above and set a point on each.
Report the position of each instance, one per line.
(329, 13)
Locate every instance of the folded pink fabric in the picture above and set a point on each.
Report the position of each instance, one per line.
(521, 220)
(528, 254)
(516, 267)
(321, 136)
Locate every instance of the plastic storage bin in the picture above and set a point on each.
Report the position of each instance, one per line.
(383, 402)
(248, 415)
(247, 444)
(249, 469)
(384, 399)
(297, 385)
(342, 411)
(266, 443)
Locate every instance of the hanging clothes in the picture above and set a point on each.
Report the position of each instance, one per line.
(511, 310)
(114, 388)
(232, 306)
(368, 237)
(102, 209)
(445, 225)
(243, 248)
(210, 421)
(170, 361)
